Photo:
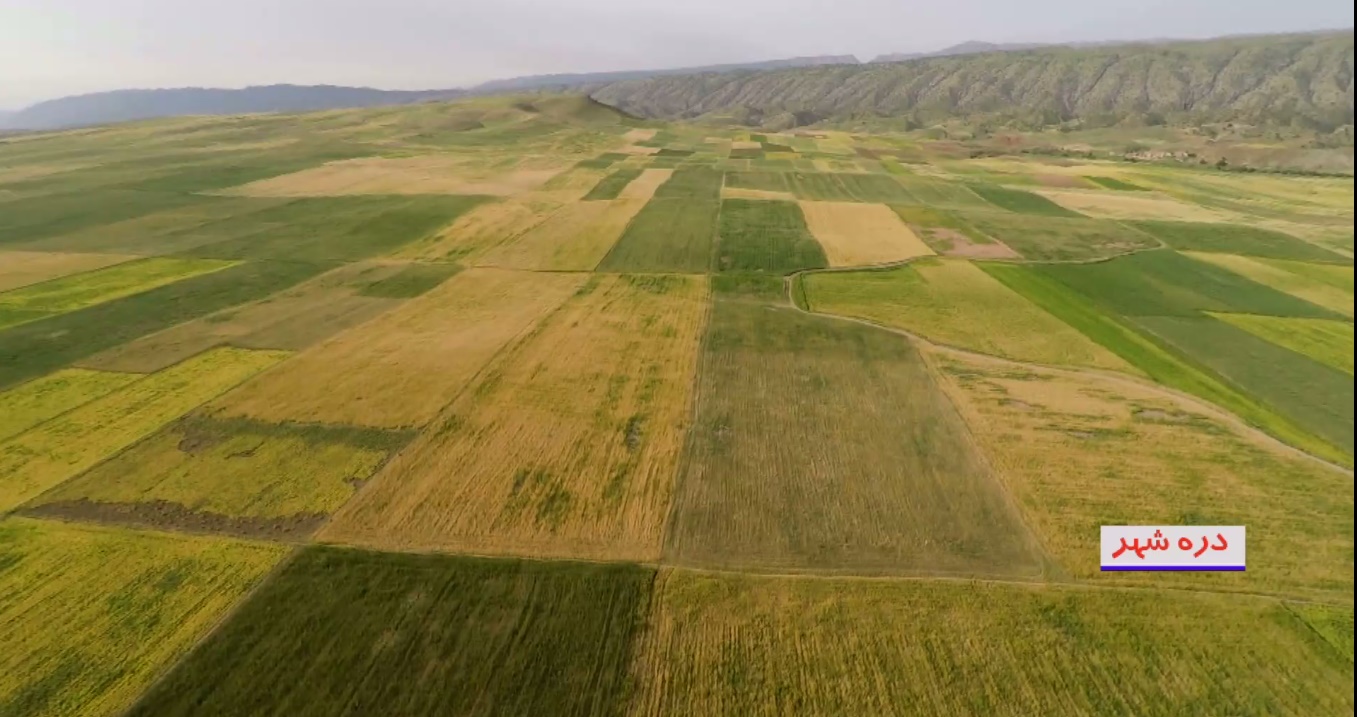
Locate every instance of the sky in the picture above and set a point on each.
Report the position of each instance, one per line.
(53, 48)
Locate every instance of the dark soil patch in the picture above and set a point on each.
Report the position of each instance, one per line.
(163, 514)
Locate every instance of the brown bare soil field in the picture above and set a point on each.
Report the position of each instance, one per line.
(1102, 204)
(483, 228)
(431, 174)
(567, 447)
(575, 238)
(294, 320)
(644, 186)
(1081, 450)
(23, 268)
(739, 193)
(401, 369)
(855, 234)
(958, 244)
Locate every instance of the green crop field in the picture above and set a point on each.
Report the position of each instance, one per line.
(418, 635)
(1017, 200)
(529, 404)
(766, 236)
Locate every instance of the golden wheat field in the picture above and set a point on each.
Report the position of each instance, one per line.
(402, 368)
(567, 446)
(854, 234)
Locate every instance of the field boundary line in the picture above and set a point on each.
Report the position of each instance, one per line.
(216, 625)
(1246, 429)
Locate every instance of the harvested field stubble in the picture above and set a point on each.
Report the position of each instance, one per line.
(566, 447)
(399, 370)
(575, 238)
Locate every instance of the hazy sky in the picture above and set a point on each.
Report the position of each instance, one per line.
(50, 48)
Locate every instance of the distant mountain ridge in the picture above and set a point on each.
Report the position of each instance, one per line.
(973, 47)
(127, 105)
(1281, 79)
(563, 81)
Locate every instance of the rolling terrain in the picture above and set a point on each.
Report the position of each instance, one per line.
(526, 406)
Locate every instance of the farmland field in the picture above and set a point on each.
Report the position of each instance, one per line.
(954, 303)
(93, 615)
(568, 446)
(526, 405)
(418, 635)
(759, 490)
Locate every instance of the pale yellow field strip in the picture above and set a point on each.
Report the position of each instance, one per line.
(568, 447)
(855, 234)
(433, 174)
(1277, 277)
(640, 134)
(482, 229)
(70, 293)
(644, 186)
(31, 403)
(22, 268)
(573, 239)
(62, 447)
(739, 193)
(745, 144)
(292, 320)
(25, 172)
(402, 368)
(1103, 204)
(101, 612)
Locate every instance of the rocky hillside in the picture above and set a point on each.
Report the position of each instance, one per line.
(1284, 79)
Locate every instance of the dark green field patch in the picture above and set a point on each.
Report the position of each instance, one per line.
(1317, 397)
(702, 183)
(612, 185)
(1237, 239)
(411, 281)
(940, 193)
(1059, 239)
(334, 228)
(1125, 338)
(1017, 200)
(818, 186)
(348, 632)
(1117, 184)
(765, 236)
(52, 215)
(42, 346)
(763, 181)
(770, 147)
(667, 235)
(1166, 283)
(671, 152)
(875, 188)
(763, 288)
(903, 490)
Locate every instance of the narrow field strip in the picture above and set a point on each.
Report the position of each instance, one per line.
(72, 293)
(22, 268)
(401, 369)
(575, 238)
(568, 446)
(29, 404)
(64, 446)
